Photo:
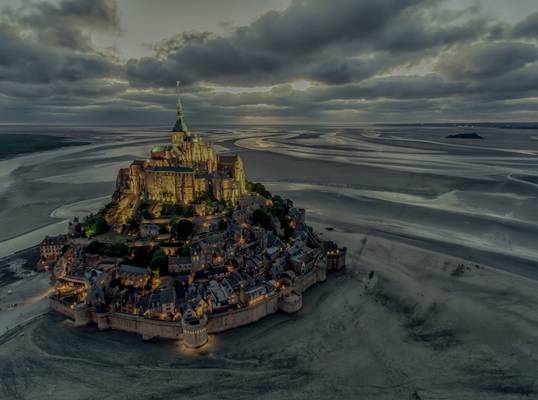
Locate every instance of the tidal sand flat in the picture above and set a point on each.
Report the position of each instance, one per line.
(15, 144)
(439, 298)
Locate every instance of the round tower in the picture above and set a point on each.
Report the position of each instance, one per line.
(102, 321)
(82, 315)
(194, 330)
(321, 271)
(291, 302)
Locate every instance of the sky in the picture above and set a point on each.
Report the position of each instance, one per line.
(268, 61)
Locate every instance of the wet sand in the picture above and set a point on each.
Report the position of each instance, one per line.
(439, 299)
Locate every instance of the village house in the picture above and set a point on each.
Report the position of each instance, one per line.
(134, 276)
(50, 249)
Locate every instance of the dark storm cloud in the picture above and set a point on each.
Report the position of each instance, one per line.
(527, 28)
(333, 42)
(365, 60)
(61, 24)
(383, 97)
(486, 60)
(25, 61)
(46, 44)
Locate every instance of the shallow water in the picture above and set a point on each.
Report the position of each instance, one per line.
(410, 205)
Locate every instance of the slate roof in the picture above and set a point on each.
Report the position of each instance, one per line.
(131, 269)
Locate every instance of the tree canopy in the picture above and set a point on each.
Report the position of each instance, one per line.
(262, 218)
(159, 263)
(94, 224)
(107, 249)
(223, 225)
(181, 229)
(257, 187)
(177, 210)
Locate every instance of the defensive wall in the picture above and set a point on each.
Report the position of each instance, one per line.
(289, 301)
(243, 316)
(62, 307)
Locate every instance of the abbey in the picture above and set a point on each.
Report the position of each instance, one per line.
(184, 172)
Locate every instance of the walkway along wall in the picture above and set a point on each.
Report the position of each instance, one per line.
(235, 318)
(148, 328)
(304, 282)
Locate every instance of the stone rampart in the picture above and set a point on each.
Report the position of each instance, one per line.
(304, 282)
(62, 307)
(235, 318)
(151, 328)
(148, 328)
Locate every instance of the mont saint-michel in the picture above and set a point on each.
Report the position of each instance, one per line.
(187, 247)
(339, 200)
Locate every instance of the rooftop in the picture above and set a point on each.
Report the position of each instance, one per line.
(131, 269)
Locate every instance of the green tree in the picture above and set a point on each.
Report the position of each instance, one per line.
(116, 250)
(141, 256)
(134, 226)
(257, 187)
(94, 224)
(177, 210)
(181, 229)
(146, 214)
(188, 212)
(279, 208)
(262, 218)
(223, 225)
(159, 263)
(95, 247)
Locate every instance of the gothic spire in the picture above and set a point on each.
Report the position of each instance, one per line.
(180, 125)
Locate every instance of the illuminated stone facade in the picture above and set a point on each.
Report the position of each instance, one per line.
(180, 173)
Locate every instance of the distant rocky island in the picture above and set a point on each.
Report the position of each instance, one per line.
(187, 247)
(472, 135)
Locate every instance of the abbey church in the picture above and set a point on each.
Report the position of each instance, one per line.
(180, 173)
